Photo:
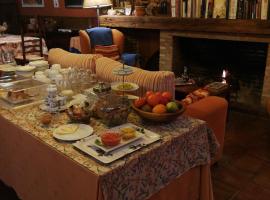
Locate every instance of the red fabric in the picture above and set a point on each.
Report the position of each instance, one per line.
(108, 51)
(213, 110)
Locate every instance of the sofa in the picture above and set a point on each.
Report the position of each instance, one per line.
(211, 109)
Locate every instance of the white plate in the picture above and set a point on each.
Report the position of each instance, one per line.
(132, 97)
(122, 142)
(123, 71)
(26, 68)
(86, 146)
(82, 132)
(116, 84)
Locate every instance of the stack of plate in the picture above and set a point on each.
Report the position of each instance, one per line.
(40, 65)
(26, 71)
(7, 70)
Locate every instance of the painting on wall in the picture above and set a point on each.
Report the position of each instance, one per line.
(32, 3)
(73, 3)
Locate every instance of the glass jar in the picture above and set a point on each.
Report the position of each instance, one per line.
(112, 109)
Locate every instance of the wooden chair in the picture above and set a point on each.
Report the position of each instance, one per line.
(31, 48)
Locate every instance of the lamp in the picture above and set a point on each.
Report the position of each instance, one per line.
(96, 4)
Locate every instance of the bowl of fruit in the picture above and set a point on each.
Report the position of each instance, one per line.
(158, 107)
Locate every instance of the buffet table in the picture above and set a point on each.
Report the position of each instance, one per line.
(13, 43)
(39, 167)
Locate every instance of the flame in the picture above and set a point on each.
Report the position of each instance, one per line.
(224, 73)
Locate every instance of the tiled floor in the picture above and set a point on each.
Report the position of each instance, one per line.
(244, 171)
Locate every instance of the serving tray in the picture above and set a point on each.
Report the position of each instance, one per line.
(106, 157)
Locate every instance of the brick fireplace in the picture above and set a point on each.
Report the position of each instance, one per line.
(249, 93)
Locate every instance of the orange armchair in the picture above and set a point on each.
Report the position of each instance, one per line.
(117, 36)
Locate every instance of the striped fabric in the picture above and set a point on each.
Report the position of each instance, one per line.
(110, 51)
(103, 66)
(147, 80)
(67, 59)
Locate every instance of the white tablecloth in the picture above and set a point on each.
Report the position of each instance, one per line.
(12, 43)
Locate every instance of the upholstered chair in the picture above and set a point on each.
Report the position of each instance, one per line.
(107, 42)
(86, 48)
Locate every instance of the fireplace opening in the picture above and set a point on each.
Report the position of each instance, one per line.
(206, 59)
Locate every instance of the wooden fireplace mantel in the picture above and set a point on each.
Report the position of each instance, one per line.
(260, 28)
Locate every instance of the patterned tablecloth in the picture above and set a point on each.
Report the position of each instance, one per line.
(12, 43)
(185, 143)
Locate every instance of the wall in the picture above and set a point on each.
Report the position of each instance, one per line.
(9, 14)
(49, 10)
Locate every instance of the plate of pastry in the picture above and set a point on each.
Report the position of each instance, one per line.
(72, 132)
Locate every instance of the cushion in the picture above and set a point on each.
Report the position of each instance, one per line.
(129, 58)
(108, 51)
(100, 36)
(195, 96)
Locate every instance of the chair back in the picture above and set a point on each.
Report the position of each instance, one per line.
(32, 45)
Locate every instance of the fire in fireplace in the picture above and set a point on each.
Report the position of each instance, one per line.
(210, 60)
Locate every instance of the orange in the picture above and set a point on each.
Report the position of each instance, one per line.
(160, 108)
(153, 100)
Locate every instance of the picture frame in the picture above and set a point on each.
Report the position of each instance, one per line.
(56, 3)
(73, 3)
(32, 3)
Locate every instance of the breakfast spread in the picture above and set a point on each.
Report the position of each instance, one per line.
(67, 129)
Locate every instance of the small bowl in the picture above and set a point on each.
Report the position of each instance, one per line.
(110, 139)
(155, 117)
(85, 119)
